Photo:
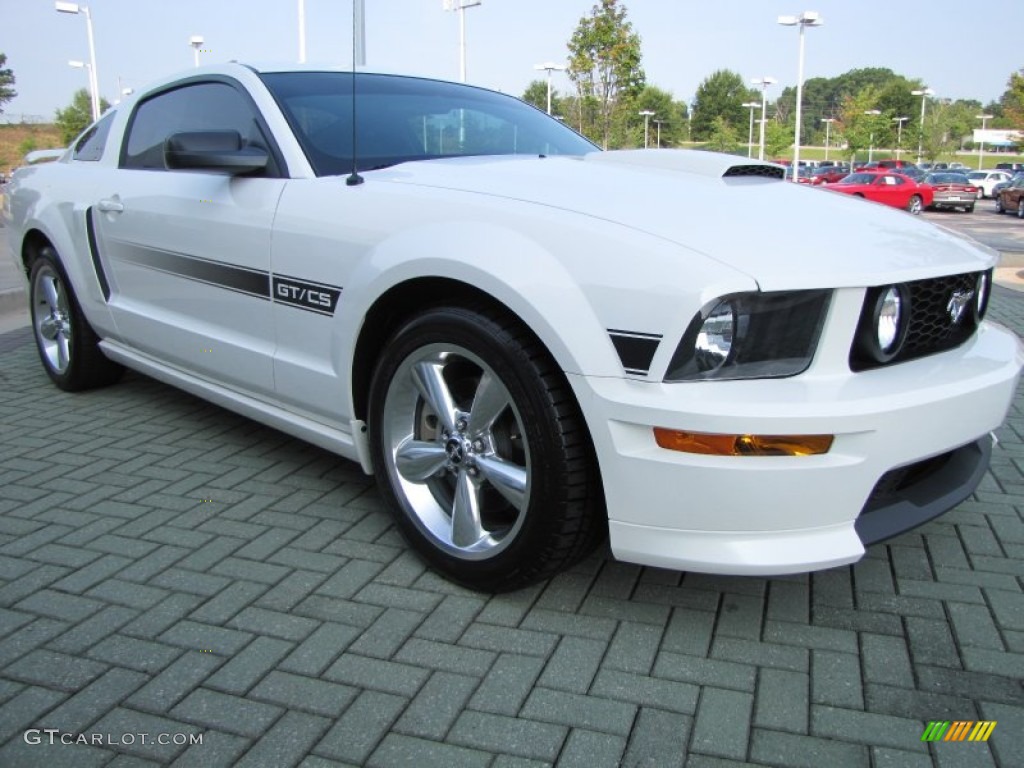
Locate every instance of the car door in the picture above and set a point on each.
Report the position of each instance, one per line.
(890, 190)
(187, 252)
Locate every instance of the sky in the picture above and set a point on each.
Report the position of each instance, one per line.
(960, 50)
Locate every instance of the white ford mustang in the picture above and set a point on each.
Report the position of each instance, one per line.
(529, 342)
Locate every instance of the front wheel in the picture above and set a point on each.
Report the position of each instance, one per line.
(915, 205)
(999, 205)
(481, 451)
(1020, 209)
(67, 344)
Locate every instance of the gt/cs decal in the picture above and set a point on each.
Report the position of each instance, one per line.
(303, 294)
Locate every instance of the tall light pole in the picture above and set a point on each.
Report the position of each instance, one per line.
(196, 41)
(828, 128)
(899, 134)
(981, 144)
(751, 105)
(94, 87)
(657, 125)
(924, 93)
(873, 113)
(460, 6)
(806, 19)
(764, 82)
(647, 114)
(549, 67)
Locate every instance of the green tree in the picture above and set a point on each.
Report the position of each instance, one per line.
(777, 138)
(7, 91)
(604, 65)
(76, 117)
(722, 136)
(1013, 100)
(668, 120)
(856, 126)
(536, 93)
(720, 95)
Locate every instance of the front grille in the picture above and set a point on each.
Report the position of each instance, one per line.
(764, 171)
(932, 329)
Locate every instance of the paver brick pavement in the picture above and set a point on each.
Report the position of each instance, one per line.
(170, 569)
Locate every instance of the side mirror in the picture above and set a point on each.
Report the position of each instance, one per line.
(213, 151)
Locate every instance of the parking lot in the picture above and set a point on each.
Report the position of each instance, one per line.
(168, 568)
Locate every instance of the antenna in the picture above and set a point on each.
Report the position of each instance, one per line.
(358, 55)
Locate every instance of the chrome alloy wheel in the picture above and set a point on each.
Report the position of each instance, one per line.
(456, 451)
(51, 318)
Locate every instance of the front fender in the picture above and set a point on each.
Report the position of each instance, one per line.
(509, 266)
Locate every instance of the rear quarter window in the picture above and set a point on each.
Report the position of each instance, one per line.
(91, 143)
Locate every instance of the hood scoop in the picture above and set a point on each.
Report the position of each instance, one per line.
(760, 171)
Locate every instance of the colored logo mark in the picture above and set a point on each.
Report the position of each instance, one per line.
(958, 730)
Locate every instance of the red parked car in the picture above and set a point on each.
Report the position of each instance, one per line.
(829, 174)
(887, 187)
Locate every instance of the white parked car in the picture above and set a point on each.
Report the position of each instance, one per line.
(986, 180)
(529, 342)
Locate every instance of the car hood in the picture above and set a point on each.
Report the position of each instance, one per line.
(783, 235)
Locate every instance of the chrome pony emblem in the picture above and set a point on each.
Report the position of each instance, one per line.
(957, 304)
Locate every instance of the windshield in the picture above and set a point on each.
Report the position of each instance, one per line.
(946, 178)
(404, 118)
(858, 178)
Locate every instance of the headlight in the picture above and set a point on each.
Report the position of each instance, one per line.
(714, 340)
(751, 336)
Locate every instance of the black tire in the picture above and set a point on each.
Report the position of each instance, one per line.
(999, 204)
(915, 205)
(969, 209)
(1020, 209)
(67, 345)
(513, 447)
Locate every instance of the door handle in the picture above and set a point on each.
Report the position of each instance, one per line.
(110, 206)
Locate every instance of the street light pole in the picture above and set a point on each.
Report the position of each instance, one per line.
(924, 93)
(751, 105)
(648, 114)
(460, 6)
(981, 144)
(764, 82)
(550, 67)
(899, 134)
(871, 145)
(94, 87)
(828, 126)
(806, 19)
(657, 125)
(196, 41)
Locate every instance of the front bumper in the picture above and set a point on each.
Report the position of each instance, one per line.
(772, 515)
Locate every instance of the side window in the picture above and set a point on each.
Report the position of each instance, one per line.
(90, 146)
(199, 107)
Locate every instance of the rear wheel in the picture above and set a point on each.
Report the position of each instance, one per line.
(67, 344)
(915, 205)
(481, 451)
(969, 209)
(1020, 209)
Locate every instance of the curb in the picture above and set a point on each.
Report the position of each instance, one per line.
(13, 299)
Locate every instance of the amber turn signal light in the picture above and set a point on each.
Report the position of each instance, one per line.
(742, 445)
